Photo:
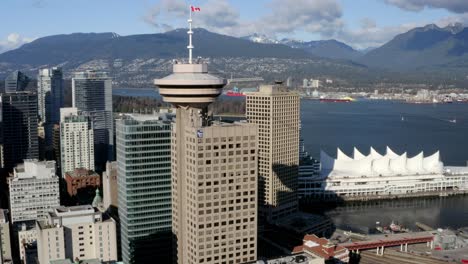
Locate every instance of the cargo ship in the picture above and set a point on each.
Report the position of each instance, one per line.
(234, 92)
(337, 100)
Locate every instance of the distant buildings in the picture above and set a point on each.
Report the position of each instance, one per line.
(76, 232)
(50, 93)
(34, 190)
(144, 187)
(5, 240)
(276, 112)
(81, 178)
(19, 125)
(76, 141)
(92, 96)
(16, 82)
(214, 173)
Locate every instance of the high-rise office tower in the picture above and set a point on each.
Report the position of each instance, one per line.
(34, 190)
(78, 233)
(276, 112)
(16, 82)
(92, 96)
(144, 184)
(50, 99)
(19, 120)
(214, 171)
(76, 141)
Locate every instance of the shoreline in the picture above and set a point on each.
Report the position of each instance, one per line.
(337, 200)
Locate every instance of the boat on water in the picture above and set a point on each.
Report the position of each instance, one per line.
(234, 92)
(453, 121)
(338, 100)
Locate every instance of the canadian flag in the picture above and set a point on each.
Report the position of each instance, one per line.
(195, 8)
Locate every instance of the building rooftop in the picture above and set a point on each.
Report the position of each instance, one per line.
(32, 168)
(376, 164)
(81, 261)
(294, 259)
(81, 172)
(90, 74)
(321, 247)
(150, 117)
(63, 210)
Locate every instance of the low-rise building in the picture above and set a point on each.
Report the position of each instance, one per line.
(81, 178)
(76, 232)
(314, 246)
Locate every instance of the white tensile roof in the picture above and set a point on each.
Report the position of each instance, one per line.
(376, 164)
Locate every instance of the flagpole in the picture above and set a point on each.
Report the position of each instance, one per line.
(190, 33)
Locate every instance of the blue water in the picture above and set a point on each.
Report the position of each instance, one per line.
(379, 124)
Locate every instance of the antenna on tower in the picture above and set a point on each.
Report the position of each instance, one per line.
(190, 33)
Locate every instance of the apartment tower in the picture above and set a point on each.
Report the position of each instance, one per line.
(214, 171)
(76, 141)
(276, 112)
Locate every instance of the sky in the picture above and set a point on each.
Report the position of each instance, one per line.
(359, 23)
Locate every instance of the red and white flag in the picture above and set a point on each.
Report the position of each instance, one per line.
(194, 8)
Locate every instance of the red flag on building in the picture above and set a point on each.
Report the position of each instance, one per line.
(195, 8)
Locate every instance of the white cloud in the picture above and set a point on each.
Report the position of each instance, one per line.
(284, 16)
(455, 6)
(370, 35)
(287, 17)
(13, 41)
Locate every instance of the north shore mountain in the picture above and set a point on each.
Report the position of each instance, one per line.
(424, 51)
(423, 48)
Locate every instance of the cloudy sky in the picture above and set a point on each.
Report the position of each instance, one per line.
(359, 23)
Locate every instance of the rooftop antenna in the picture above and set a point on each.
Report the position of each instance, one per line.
(190, 33)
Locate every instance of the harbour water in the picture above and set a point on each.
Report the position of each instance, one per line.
(403, 127)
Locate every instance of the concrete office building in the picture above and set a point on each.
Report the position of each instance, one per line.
(109, 186)
(276, 112)
(214, 172)
(34, 190)
(5, 240)
(50, 95)
(92, 95)
(76, 232)
(16, 82)
(144, 184)
(76, 141)
(19, 125)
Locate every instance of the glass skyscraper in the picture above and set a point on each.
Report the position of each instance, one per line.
(19, 125)
(16, 82)
(92, 96)
(50, 99)
(144, 187)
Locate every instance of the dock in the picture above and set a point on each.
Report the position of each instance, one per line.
(424, 227)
